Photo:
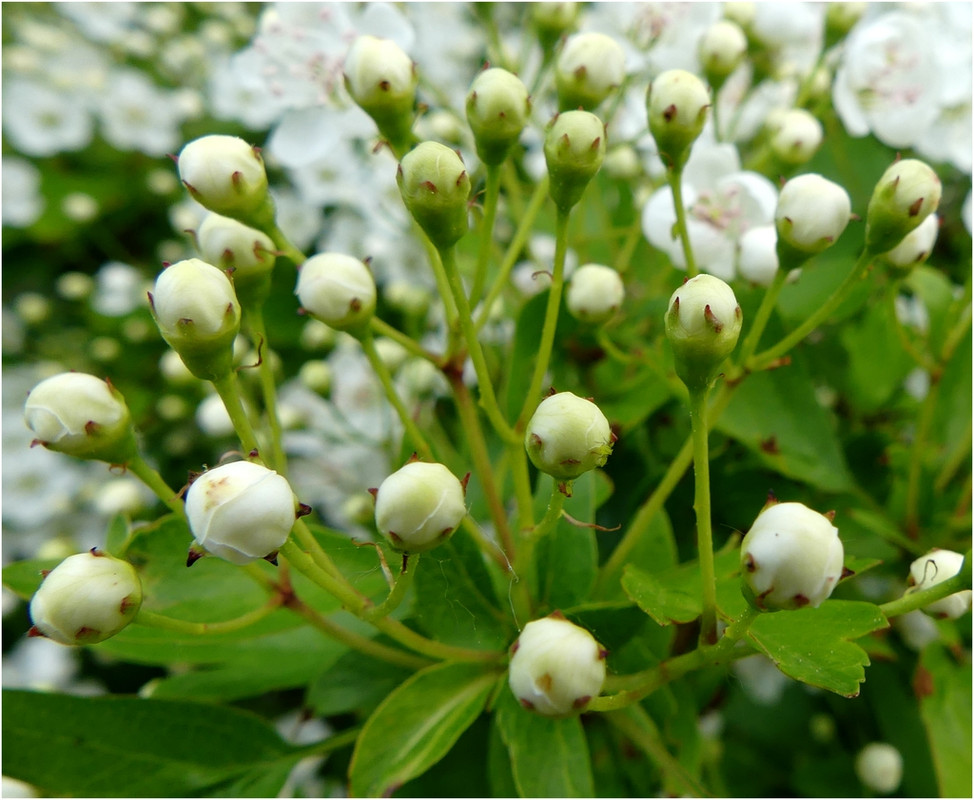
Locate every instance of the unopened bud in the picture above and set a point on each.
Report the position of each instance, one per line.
(419, 506)
(81, 415)
(796, 136)
(556, 667)
(435, 187)
(86, 599)
(225, 175)
(574, 148)
(337, 289)
(240, 511)
(703, 323)
(382, 80)
(812, 213)
(907, 193)
(497, 110)
(595, 293)
(567, 436)
(880, 767)
(552, 20)
(916, 246)
(757, 258)
(677, 105)
(936, 567)
(246, 252)
(316, 375)
(589, 67)
(791, 557)
(198, 315)
(721, 51)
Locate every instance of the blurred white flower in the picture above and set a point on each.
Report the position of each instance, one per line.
(136, 114)
(40, 121)
(120, 289)
(110, 23)
(22, 202)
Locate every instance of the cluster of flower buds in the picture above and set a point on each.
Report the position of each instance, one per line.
(247, 254)
(435, 188)
(337, 289)
(498, 107)
(419, 506)
(574, 149)
(567, 436)
(556, 667)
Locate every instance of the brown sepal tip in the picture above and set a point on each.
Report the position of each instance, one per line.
(463, 483)
(193, 555)
(830, 515)
(35, 631)
(374, 492)
(915, 207)
(271, 558)
(712, 319)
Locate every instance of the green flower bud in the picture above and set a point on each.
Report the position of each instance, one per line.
(915, 247)
(589, 67)
(247, 253)
(198, 315)
(419, 506)
(703, 323)
(316, 375)
(498, 107)
(553, 20)
(796, 136)
(936, 567)
(556, 667)
(622, 163)
(226, 175)
(676, 104)
(567, 436)
(240, 511)
(382, 80)
(337, 289)
(907, 193)
(812, 213)
(722, 49)
(82, 416)
(791, 557)
(435, 187)
(574, 148)
(86, 599)
(595, 293)
(879, 765)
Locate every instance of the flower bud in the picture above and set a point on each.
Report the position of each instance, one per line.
(81, 415)
(567, 436)
(796, 136)
(497, 110)
(595, 293)
(907, 193)
(936, 567)
(246, 252)
(337, 289)
(86, 599)
(552, 20)
(757, 258)
(721, 50)
(198, 315)
(812, 212)
(589, 67)
(435, 187)
(916, 246)
(382, 80)
(316, 375)
(622, 163)
(676, 104)
(880, 767)
(225, 175)
(703, 323)
(556, 667)
(574, 147)
(240, 511)
(419, 506)
(791, 557)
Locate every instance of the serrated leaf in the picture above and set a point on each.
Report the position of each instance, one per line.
(130, 747)
(816, 645)
(416, 726)
(945, 705)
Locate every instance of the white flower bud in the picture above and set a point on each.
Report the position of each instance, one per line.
(703, 323)
(198, 315)
(677, 105)
(419, 506)
(556, 667)
(721, 50)
(86, 599)
(224, 174)
(81, 415)
(316, 375)
(497, 111)
(382, 80)
(936, 567)
(907, 193)
(757, 258)
(622, 163)
(796, 136)
(337, 289)
(812, 212)
(435, 187)
(741, 13)
(880, 767)
(595, 293)
(574, 148)
(791, 557)
(391, 353)
(589, 67)
(234, 246)
(916, 246)
(568, 436)
(552, 20)
(240, 511)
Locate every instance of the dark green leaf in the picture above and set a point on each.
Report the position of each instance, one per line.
(119, 536)
(945, 704)
(353, 682)
(568, 555)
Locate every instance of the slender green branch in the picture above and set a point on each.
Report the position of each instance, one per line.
(385, 329)
(229, 391)
(398, 591)
(283, 244)
(761, 317)
(674, 177)
(914, 600)
(337, 587)
(254, 316)
(151, 619)
(492, 193)
(701, 507)
(139, 467)
(556, 502)
(332, 743)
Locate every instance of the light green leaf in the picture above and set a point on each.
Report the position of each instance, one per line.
(568, 556)
(877, 362)
(416, 726)
(130, 747)
(815, 645)
(353, 682)
(120, 535)
(945, 705)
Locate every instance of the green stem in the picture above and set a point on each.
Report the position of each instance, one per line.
(761, 317)
(633, 236)
(960, 456)
(488, 399)
(918, 457)
(139, 467)
(255, 318)
(556, 502)
(533, 396)
(338, 588)
(332, 743)
(914, 600)
(398, 591)
(283, 244)
(701, 507)
(492, 193)
(674, 177)
(151, 619)
(382, 372)
(382, 328)
(229, 391)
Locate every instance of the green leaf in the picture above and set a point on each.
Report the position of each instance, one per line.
(527, 334)
(119, 536)
(877, 362)
(945, 705)
(416, 726)
(813, 645)
(353, 682)
(568, 556)
(130, 747)
(549, 757)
